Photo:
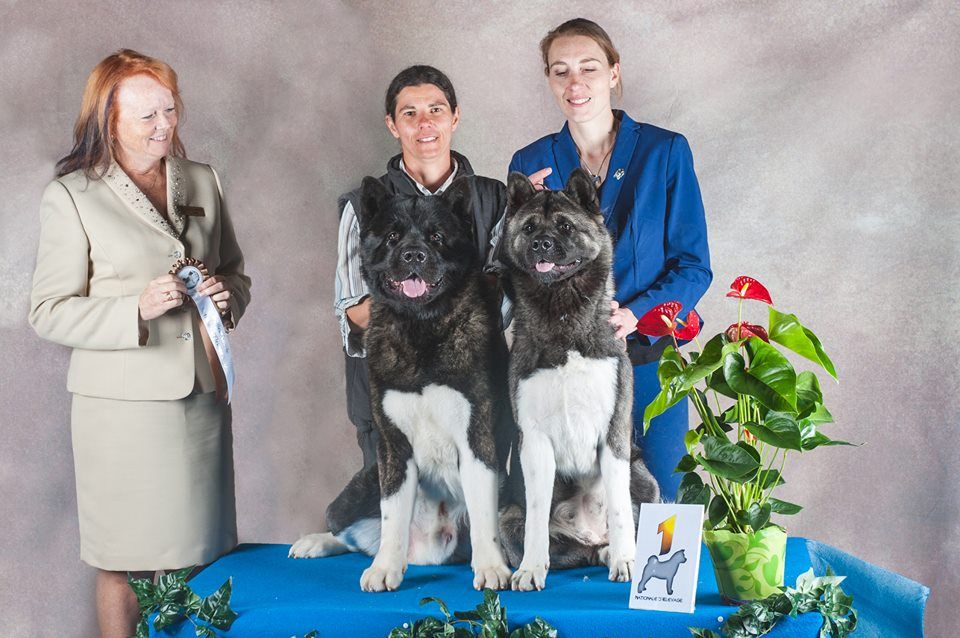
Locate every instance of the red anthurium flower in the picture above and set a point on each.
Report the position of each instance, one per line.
(749, 288)
(691, 328)
(661, 321)
(746, 330)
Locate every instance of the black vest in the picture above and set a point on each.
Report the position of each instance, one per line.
(489, 196)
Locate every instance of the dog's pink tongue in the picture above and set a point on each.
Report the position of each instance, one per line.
(414, 287)
(545, 266)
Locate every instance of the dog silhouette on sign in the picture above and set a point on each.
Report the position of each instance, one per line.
(666, 571)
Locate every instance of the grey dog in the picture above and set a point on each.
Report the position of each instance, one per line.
(571, 386)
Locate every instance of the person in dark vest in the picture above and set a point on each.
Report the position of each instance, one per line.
(422, 113)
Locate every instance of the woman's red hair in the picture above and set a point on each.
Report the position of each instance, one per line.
(94, 146)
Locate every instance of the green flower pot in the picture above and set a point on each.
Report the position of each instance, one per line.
(747, 566)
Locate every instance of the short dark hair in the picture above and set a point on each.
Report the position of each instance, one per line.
(417, 75)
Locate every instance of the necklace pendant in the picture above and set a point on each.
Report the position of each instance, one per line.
(596, 180)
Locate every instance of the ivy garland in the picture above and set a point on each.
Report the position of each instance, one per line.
(172, 600)
(821, 594)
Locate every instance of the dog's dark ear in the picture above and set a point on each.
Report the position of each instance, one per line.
(459, 198)
(373, 197)
(580, 189)
(519, 191)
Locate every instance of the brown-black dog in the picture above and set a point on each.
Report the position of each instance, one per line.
(437, 363)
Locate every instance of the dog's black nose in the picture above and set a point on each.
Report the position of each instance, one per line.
(541, 244)
(413, 255)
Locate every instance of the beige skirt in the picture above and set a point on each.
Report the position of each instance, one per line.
(154, 482)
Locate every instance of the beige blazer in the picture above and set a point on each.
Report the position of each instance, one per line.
(101, 242)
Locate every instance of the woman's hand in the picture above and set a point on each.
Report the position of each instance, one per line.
(164, 293)
(217, 288)
(622, 319)
(537, 178)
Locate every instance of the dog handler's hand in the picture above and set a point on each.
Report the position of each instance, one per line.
(537, 178)
(622, 319)
(164, 293)
(358, 316)
(217, 288)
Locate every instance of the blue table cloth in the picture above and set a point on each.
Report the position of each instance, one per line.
(276, 596)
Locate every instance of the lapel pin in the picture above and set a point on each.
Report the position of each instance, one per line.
(618, 175)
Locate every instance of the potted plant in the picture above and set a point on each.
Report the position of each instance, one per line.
(755, 409)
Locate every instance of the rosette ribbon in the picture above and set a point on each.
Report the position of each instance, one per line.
(214, 334)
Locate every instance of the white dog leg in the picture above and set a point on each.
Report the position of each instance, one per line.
(396, 512)
(317, 546)
(480, 492)
(615, 474)
(539, 470)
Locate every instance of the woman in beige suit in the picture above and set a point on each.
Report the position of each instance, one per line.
(152, 439)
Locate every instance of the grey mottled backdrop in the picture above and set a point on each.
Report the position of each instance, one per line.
(826, 139)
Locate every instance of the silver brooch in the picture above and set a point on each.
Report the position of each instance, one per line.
(618, 175)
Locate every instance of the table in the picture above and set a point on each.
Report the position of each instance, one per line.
(276, 596)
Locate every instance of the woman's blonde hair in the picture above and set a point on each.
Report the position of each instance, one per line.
(584, 27)
(94, 141)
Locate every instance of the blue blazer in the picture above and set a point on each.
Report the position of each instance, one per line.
(651, 203)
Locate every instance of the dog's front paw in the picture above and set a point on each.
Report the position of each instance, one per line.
(382, 577)
(529, 578)
(313, 546)
(621, 569)
(492, 576)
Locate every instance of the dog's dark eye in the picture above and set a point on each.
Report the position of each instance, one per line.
(527, 228)
(436, 237)
(565, 228)
(393, 237)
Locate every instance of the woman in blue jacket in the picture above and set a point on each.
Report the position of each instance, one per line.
(651, 203)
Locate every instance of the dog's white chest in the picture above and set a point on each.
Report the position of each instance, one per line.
(572, 405)
(435, 421)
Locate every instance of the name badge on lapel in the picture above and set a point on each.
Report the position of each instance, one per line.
(191, 211)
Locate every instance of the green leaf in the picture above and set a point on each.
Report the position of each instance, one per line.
(717, 511)
(143, 629)
(205, 632)
(770, 367)
(811, 438)
(145, 592)
(692, 439)
(167, 614)
(692, 490)
(783, 507)
(757, 516)
(779, 429)
(809, 395)
(468, 616)
(769, 479)
(819, 415)
(687, 464)
(536, 629)
(705, 364)
(215, 608)
(782, 397)
(312, 634)
(724, 459)
(670, 366)
(440, 603)
(665, 399)
(787, 330)
(718, 383)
